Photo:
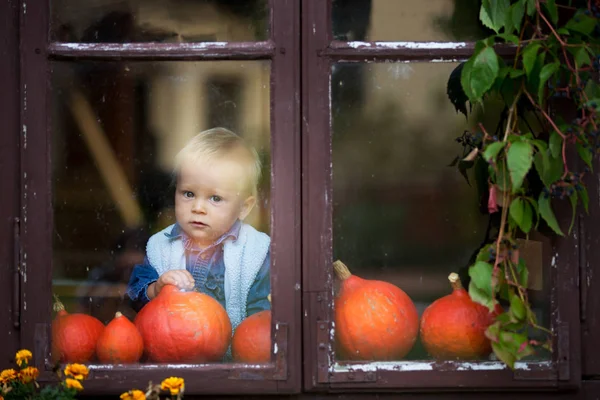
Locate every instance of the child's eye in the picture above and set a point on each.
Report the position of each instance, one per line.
(187, 194)
(216, 199)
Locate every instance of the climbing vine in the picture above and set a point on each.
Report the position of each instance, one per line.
(534, 156)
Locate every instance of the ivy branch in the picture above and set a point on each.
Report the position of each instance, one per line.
(557, 58)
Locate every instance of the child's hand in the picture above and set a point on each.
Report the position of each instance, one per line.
(179, 277)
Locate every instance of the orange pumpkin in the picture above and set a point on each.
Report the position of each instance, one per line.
(374, 320)
(120, 343)
(74, 336)
(453, 327)
(184, 327)
(252, 339)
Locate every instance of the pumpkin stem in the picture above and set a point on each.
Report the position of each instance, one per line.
(455, 281)
(341, 270)
(58, 305)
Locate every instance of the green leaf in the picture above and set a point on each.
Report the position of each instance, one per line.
(585, 154)
(582, 57)
(530, 7)
(550, 7)
(550, 169)
(547, 71)
(517, 307)
(585, 200)
(479, 296)
(503, 179)
(519, 161)
(504, 355)
(556, 142)
(493, 13)
(515, 73)
(481, 277)
(481, 74)
(548, 215)
(592, 89)
(520, 211)
(509, 37)
(573, 200)
(492, 150)
(523, 273)
(517, 12)
(563, 31)
(529, 56)
(581, 23)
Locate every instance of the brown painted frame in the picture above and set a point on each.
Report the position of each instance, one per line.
(33, 288)
(319, 52)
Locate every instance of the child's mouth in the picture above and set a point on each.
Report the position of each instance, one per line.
(199, 224)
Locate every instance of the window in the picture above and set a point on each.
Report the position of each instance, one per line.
(112, 96)
(379, 195)
(345, 101)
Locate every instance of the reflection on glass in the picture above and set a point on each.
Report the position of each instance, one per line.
(401, 214)
(120, 21)
(117, 129)
(393, 20)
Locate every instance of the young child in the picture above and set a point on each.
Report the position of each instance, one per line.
(210, 248)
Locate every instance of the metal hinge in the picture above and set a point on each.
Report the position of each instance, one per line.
(325, 359)
(16, 287)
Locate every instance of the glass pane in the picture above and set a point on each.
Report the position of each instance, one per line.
(120, 21)
(403, 215)
(117, 129)
(393, 20)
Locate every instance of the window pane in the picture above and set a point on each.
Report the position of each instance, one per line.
(117, 128)
(393, 20)
(401, 214)
(120, 21)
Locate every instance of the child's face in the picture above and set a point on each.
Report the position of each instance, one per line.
(210, 197)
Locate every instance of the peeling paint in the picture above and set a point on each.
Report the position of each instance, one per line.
(24, 138)
(408, 45)
(133, 46)
(431, 365)
(275, 349)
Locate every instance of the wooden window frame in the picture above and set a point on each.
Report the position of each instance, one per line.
(320, 51)
(33, 236)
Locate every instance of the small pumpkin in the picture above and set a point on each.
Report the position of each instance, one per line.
(453, 326)
(120, 342)
(74, 336)
(252, 338)
(374, 320)
(184, 327)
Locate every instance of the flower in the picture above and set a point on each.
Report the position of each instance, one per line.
(77, 371)
(173, 384)
(23, 357)
(133, 395)
(28, 374)
(73, 384)
(8, 375)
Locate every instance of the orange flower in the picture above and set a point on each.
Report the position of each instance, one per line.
(133, 395)
(77, 371)
(8, 375)
(23, 357)
(28, 374)
(173, 384)
(73, 384)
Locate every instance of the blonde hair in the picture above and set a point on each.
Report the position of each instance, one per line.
(220, 142)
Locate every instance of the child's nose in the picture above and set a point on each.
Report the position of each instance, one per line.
(199, 206)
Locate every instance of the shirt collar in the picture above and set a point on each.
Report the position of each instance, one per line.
(176, 233)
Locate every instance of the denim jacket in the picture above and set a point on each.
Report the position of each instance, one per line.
(208, 269)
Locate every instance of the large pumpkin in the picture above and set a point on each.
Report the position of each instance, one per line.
(374, 320)
(453, 326)
(252, 339)
(120, 343)
(184, 327)
(74, 336)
